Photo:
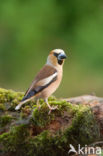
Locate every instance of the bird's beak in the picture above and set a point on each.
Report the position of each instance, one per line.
(62, 56)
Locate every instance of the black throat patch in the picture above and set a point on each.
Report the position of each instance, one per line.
(60, 62)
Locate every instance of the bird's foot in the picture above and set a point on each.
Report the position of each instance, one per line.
(38, 107)
(52, 108)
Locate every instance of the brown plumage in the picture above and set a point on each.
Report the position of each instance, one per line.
(47, 80)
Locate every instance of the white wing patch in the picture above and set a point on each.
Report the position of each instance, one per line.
(47, 80)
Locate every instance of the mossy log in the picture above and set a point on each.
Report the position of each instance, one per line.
(37, 133)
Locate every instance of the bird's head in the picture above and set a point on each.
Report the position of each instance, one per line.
(56, 57)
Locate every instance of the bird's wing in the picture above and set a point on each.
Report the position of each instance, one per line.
(44, 78)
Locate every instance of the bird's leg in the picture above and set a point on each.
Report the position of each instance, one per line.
(50, 108)
(38, 104)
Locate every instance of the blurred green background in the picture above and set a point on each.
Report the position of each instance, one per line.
(30, 29)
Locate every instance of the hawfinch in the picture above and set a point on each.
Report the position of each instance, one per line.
(47, 80)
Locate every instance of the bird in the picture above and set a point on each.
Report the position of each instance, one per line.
(47, 80)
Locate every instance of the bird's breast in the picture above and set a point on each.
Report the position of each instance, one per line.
(52, 87)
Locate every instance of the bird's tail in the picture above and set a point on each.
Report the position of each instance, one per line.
(21, 103)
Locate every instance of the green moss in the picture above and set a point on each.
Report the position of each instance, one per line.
(10, 98)
(42, 117)
(73, 124)
(4, 120)
(84, 129)
(25, 112)
(15, 140)
(2, 107)
(19, 141)
(52, 98)
(44, 145)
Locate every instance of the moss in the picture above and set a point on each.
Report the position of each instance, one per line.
(15, 139)
(84, 129)
(52, 98)
(2, 107)
(40, 145)
(25, 111)
(42, 117)
(81, 131)
(47, 134)
(44, 145)
(4, 120)
(10, 97)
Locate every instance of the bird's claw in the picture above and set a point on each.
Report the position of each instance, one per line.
(38, 107)
(52, 108)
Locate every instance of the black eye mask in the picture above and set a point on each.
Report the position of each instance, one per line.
(55, 54)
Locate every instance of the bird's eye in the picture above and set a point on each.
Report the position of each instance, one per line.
(56, 54)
